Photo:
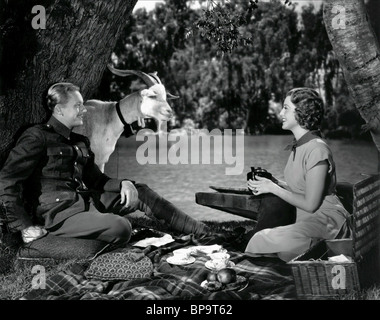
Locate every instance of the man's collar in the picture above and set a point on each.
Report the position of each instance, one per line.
(59, 127)
(310, 135)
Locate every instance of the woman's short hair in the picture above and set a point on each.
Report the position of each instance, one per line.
(309, 107)
(59, 93)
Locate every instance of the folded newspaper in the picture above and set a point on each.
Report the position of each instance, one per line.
(154, 241)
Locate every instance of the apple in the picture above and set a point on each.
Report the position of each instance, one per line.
(211, 276)
(226, 275)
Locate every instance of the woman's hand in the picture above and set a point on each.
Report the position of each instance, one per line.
(261, 185)
(128, 194)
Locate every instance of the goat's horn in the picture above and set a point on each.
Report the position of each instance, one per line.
(155, 76)
(170, 96)
(149, 80)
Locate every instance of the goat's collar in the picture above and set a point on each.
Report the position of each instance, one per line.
(128, 131)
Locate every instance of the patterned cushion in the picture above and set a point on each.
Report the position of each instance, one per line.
(120, 264)
(61, 248)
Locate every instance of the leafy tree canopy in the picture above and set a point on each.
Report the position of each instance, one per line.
(232, 62)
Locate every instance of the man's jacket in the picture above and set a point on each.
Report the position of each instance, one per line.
(47, 172)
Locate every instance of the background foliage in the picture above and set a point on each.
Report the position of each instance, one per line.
(232, 63)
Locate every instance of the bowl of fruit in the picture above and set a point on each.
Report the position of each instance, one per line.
(224, 279)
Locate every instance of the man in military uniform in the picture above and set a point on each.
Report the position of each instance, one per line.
(52, 169)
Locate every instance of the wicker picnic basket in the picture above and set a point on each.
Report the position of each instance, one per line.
(317, 278)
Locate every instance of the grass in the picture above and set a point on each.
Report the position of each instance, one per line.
(16, 277)
(372, 293)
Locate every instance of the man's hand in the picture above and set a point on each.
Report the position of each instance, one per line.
(128, 194)
(141, 122)
(32, 233)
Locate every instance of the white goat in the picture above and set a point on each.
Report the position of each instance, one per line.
(104, 121)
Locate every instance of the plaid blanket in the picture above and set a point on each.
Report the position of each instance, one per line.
(269, 278)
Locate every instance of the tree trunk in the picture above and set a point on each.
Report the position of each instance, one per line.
(358, 51)
(373, 9)
(75, 47)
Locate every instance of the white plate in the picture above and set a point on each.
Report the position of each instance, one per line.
(210, 265)
(172, 260)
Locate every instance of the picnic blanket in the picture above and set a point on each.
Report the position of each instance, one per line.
(269, 278)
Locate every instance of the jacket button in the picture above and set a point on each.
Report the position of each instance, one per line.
(60, 152)
(57, 199)
(75, 163)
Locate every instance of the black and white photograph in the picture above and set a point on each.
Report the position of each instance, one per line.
(186, 156)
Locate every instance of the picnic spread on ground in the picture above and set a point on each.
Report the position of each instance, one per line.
(256, 278)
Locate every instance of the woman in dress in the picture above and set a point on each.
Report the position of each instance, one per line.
(309, 185)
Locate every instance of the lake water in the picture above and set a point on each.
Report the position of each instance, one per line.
(179, 182)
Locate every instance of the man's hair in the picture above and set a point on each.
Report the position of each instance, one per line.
(59, 93)
(309, 107)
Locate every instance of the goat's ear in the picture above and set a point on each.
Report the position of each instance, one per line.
(169, 96)
(148, 93)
